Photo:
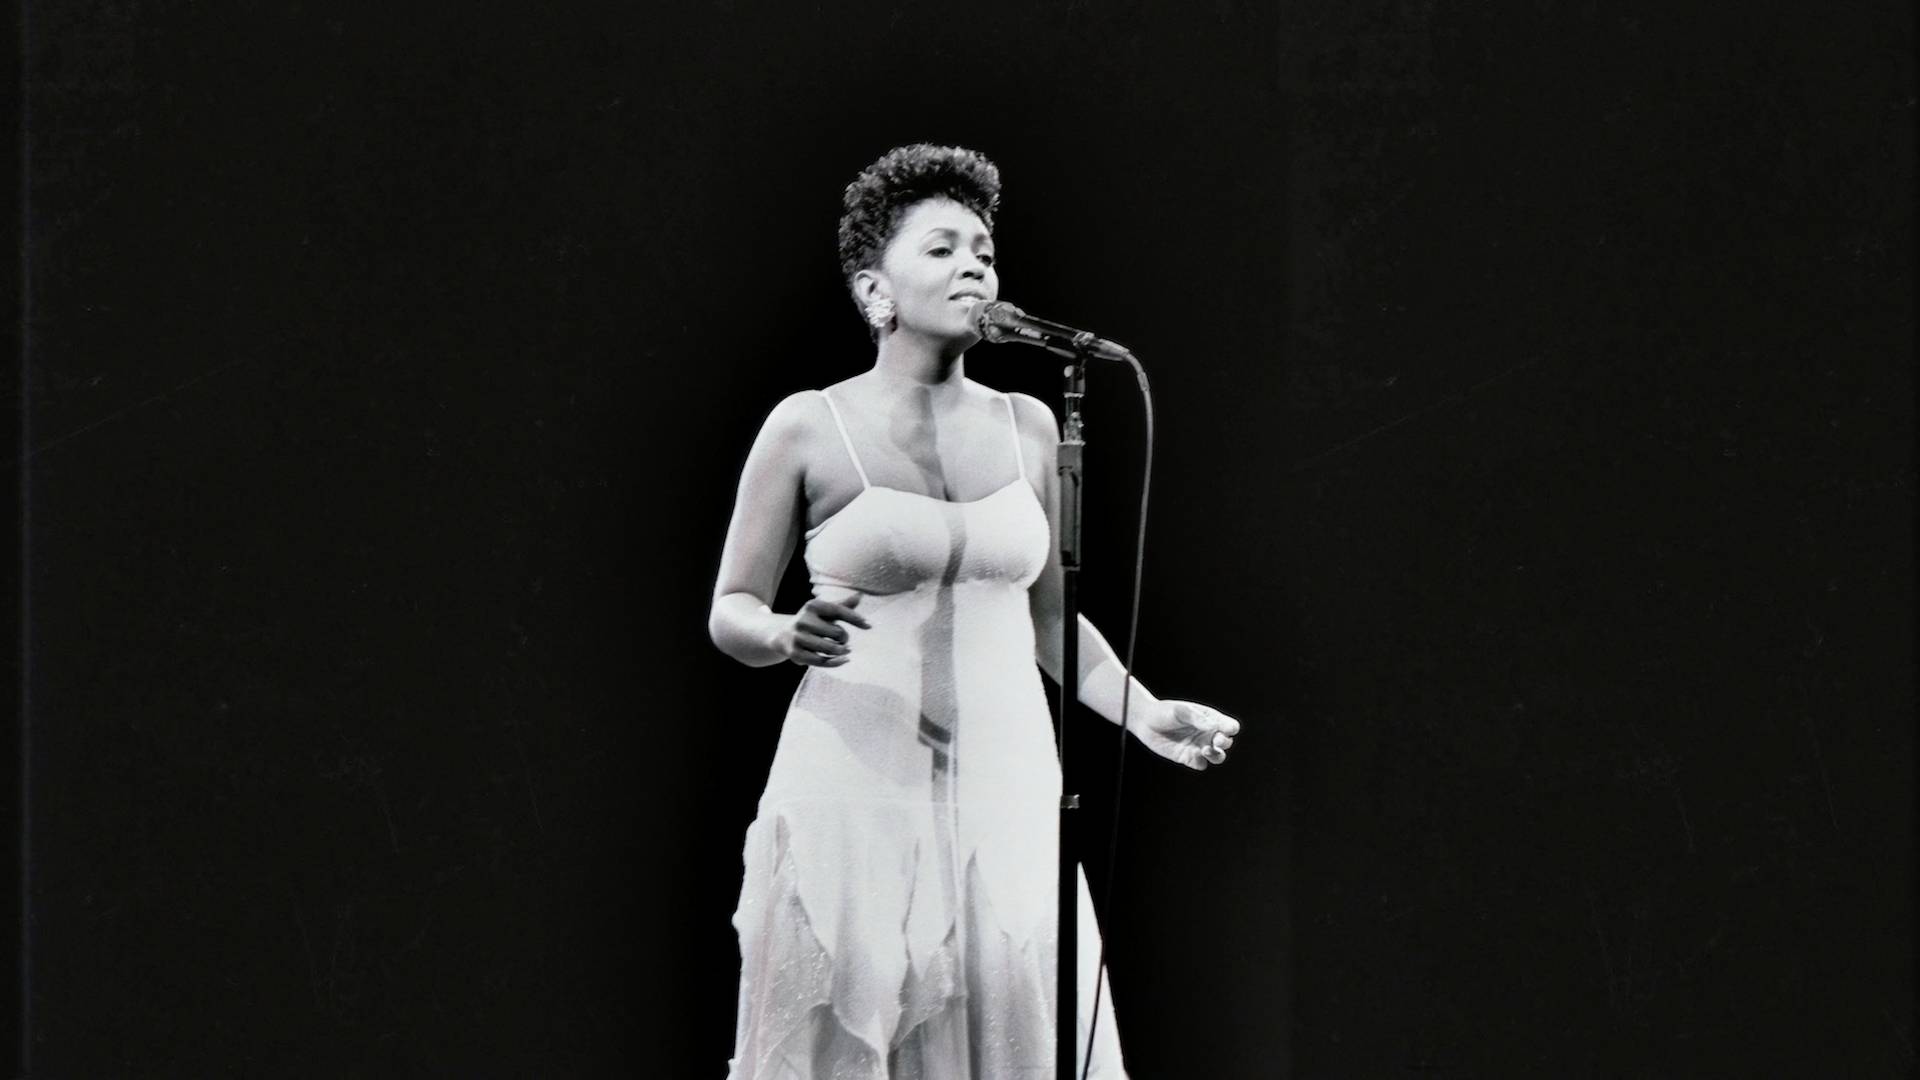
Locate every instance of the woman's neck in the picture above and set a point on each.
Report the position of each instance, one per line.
(908, 366)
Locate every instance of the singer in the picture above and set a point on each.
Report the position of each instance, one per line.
(897, 917)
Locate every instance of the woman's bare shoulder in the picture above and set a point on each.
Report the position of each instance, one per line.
(1035, 418)
(795, 419)
(804, 407)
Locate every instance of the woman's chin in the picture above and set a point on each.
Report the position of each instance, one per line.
(963, 340)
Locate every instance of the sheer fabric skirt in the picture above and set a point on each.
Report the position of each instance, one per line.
(878, 943)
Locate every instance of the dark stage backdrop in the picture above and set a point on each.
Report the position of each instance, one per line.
(1535, 482)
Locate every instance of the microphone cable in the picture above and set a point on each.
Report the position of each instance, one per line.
(1126, 696)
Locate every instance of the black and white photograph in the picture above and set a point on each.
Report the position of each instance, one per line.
(1206, 541)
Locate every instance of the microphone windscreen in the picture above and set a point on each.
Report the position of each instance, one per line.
(990, 314)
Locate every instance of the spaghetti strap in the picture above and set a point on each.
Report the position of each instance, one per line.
(848, 443)
(1018, 458)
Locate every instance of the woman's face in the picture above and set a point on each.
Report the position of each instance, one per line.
(939, 262)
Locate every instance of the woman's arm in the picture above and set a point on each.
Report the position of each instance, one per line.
(1191, 734)
(767, 516)
(1099, 682)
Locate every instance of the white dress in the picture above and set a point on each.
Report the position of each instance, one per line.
(897, 919)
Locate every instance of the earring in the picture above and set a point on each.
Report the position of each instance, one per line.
(880, 313)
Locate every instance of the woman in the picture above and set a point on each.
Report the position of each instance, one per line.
(898, 913)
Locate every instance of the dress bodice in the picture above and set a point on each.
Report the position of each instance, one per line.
(890, 541)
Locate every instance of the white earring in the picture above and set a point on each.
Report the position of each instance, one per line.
(880, 313)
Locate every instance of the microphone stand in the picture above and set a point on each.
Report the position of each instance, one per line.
(1072, 446)
(1078, 346)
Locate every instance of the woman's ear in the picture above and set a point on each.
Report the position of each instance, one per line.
(867, 287)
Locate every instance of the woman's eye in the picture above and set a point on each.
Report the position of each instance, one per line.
(941, 251)
(987, 257)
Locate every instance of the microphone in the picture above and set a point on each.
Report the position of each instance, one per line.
(998, 321)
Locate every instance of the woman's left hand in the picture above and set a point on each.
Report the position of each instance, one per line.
(1187, 732)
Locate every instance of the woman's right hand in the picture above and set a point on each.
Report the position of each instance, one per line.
(813, 636)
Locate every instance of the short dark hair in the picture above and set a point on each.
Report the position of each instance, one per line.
(877, 199)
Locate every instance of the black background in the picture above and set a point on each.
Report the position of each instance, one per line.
(1535, 481)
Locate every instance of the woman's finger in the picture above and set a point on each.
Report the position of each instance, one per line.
(830, 644)
(1214, 720)
(820, 628)
(822, 644)
(827, 609)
